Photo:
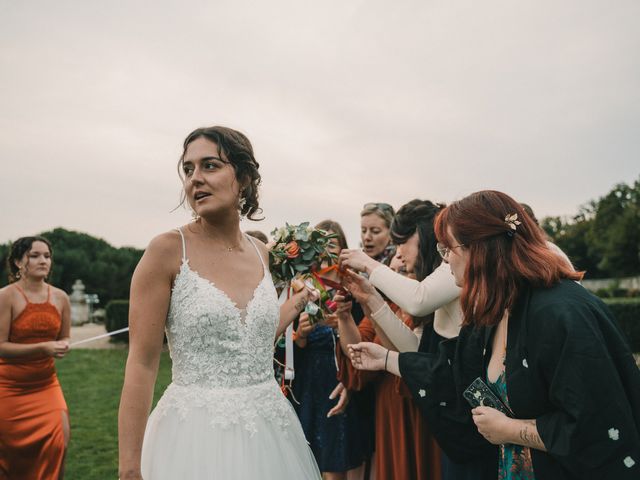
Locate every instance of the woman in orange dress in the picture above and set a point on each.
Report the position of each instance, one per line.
(404, 446)
(34, 329)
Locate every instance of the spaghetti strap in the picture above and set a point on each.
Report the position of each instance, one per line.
(184, 245)
(48, 293)
(24, 295)
(257, 251)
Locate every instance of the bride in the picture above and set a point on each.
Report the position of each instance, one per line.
(208, 287)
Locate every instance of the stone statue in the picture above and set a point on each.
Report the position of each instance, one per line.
(79, 307)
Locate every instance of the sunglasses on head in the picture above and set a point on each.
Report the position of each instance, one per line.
(378, 206)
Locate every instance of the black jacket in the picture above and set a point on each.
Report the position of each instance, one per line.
(568, 366)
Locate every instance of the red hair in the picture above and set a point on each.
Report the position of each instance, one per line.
(501, 260)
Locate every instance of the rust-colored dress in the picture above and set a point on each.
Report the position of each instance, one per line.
(31, 400)
(404, 447)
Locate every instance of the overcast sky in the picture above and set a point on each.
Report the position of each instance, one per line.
(345, 102)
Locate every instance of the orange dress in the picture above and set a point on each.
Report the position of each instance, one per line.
(31, 400)
(404, 447)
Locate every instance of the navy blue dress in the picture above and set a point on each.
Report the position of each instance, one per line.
(339, 443)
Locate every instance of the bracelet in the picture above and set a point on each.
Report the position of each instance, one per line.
(386, 358)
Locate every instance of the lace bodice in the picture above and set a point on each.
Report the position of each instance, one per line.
(222, 355)
(212, 343)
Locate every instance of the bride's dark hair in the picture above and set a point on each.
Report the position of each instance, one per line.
(239, 152)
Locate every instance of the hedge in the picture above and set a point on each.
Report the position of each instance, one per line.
(627, 312)
(117, 317)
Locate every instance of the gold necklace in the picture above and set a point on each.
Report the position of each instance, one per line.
(231, 248)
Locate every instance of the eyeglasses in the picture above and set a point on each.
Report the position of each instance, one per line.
(445, 251)
(377, 206)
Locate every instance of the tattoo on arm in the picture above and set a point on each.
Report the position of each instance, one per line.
(529, 436)
(299, 305)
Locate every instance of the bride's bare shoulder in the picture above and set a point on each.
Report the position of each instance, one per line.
(165, 243)
(164, 252)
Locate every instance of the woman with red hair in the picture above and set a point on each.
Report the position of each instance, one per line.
(550, 352)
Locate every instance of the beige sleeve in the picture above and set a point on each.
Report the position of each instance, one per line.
(404, 339)
(414, 297)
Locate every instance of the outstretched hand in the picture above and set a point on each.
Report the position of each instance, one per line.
(360, 288)
(357, 260)
(367, 356)
(305, 327)
(343, 400)
(343, 306)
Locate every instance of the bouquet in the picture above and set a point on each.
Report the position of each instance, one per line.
(296, 259)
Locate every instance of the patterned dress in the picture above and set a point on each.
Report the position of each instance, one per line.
(514, 461)
(337, 442)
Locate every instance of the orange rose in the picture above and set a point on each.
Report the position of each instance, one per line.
(292, 249)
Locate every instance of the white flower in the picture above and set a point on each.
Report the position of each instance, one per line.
(525, 363)
(311, 308)
(614, 434)
(422, 392)
(280, 234)
(629, 462)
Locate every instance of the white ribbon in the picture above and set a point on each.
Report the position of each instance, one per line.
(97, 337)
(289, 372)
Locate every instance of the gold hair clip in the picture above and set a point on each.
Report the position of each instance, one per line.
(512, 221)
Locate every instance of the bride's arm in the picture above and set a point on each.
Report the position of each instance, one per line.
(290, 309)
(149, 304)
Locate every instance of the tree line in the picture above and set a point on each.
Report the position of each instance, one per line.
(103, 269)
(603, 238)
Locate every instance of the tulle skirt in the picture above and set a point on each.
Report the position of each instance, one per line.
(226, 433)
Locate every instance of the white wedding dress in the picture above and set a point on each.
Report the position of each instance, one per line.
(223, 416)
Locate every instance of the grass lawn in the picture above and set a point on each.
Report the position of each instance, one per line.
(92, 381)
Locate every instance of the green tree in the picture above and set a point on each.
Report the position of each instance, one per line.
(104, 269)
(571, 237)
(615, 234)
(604, 238)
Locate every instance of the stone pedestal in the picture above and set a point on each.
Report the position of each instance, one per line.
(79, 307)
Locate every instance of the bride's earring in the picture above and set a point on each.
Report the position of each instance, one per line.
(195, 216)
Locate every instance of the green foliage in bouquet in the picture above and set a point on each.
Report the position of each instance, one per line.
(298, 251)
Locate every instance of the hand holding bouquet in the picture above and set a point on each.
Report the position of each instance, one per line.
(296, 259)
